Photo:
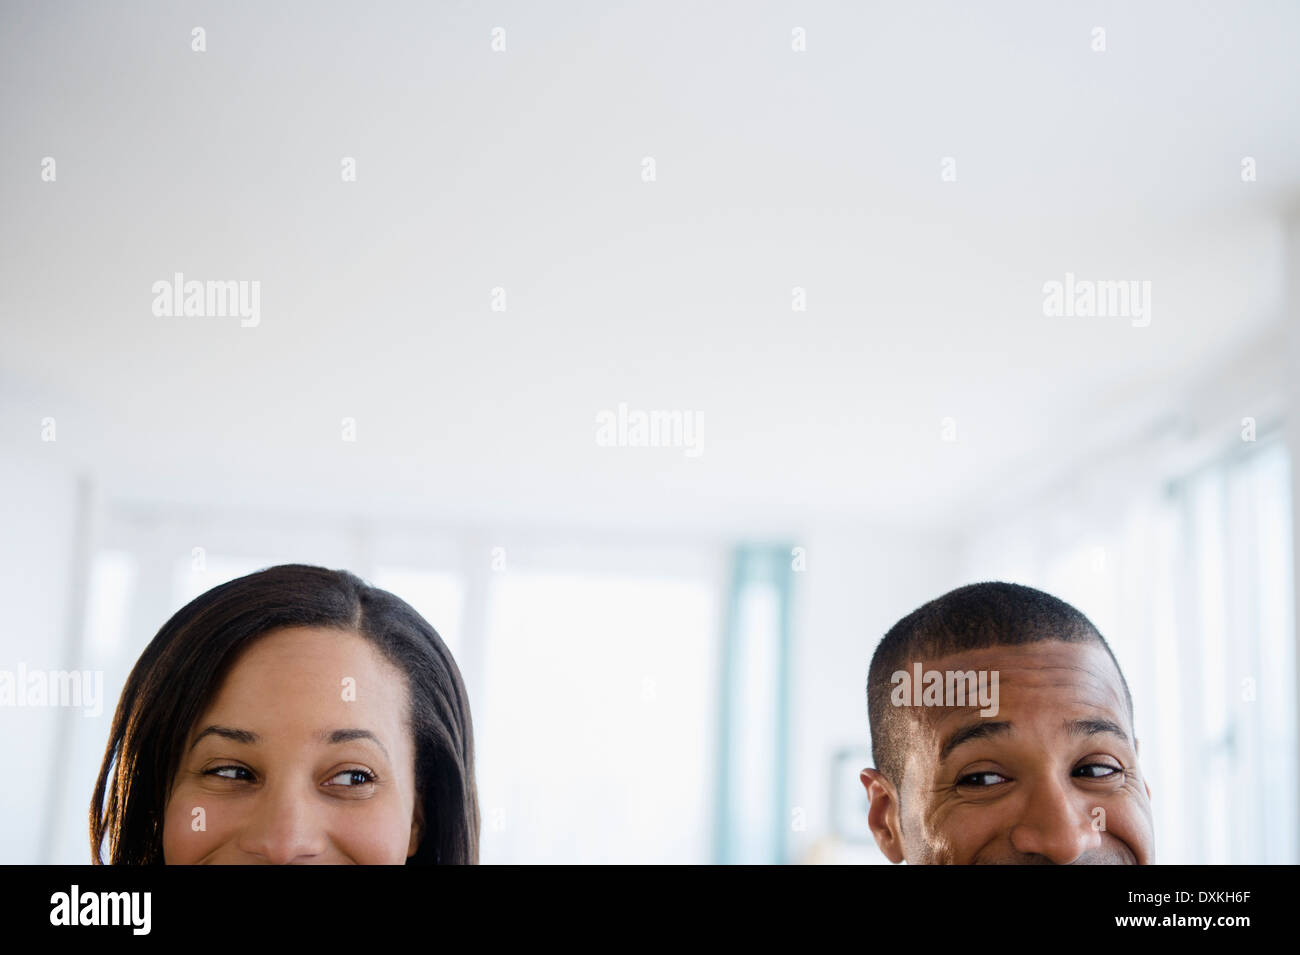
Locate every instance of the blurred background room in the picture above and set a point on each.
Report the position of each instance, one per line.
(815, 241)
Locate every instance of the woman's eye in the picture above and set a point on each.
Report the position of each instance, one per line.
(1105, 770)
(353, 777)
(222, 770)
(981, 779)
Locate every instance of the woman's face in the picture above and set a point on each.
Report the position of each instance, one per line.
(304, 756)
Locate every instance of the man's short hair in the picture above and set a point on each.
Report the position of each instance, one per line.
(973, 617)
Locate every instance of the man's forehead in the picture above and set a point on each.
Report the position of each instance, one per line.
(1074, 676)
(1031, 658)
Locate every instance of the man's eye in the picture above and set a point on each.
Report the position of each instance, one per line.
(356, 777)
(1105, 770)
(981, 779)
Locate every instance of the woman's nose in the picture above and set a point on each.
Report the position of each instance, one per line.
(283, 827)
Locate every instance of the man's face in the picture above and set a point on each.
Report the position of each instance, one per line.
(1051, 778)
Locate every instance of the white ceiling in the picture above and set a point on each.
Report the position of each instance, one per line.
(522, 169)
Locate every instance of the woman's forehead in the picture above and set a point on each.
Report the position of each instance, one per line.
(306, 674)
(311, 650)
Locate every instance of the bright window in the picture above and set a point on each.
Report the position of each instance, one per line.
(595, 734)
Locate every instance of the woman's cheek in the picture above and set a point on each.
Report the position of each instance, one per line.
(373, 840)
(187, 833)
(192, 830)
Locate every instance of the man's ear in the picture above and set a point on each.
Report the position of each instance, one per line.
(417, 827)
(882, 817)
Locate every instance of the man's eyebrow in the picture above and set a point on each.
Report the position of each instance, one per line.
(324, 736)
(985, 730)
(979, 730)
(1093, 727)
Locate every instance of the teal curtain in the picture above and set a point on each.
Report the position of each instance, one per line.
(752, 804)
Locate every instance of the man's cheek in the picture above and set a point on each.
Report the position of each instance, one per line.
(982, 829)
(955, 838)
(1125, 818)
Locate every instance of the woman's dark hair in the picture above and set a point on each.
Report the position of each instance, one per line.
(177, 675)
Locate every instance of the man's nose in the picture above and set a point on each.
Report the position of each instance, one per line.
(283, 827)
(1055, 823)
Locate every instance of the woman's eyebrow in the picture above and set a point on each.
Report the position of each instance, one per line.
(324, 736)
(226, 732)
(345, 736)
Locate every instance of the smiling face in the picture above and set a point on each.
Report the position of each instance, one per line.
(289, 766)
(1052, 777)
